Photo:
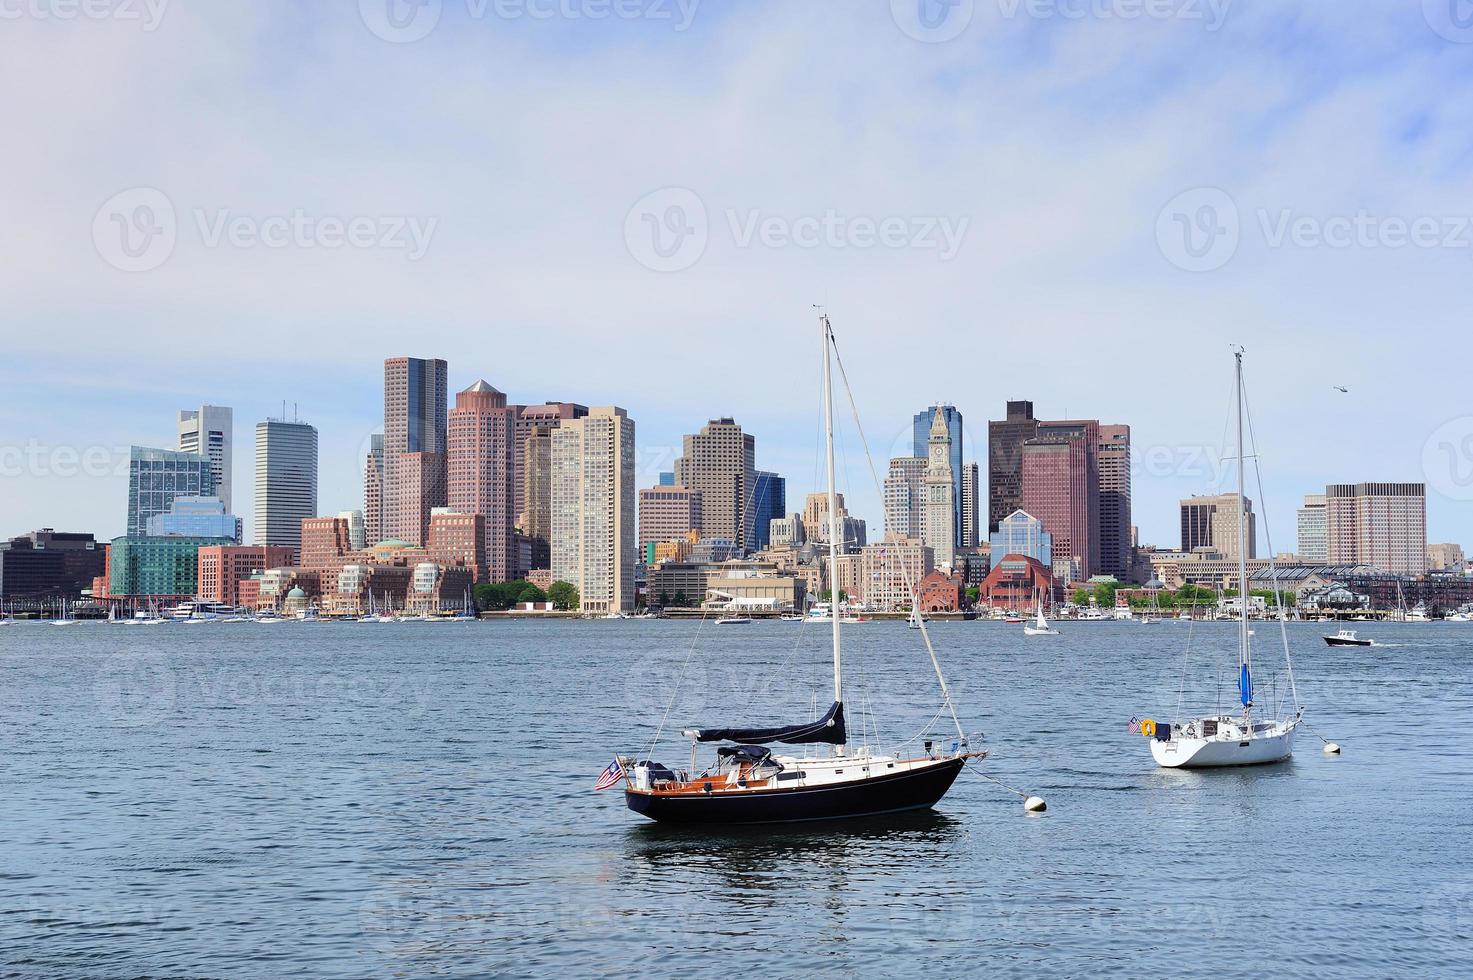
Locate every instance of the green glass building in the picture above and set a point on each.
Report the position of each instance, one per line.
(162, 566)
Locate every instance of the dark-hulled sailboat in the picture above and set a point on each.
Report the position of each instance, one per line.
(751, 783)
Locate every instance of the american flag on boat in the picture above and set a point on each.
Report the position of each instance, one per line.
(610, 776)
(1135, 726)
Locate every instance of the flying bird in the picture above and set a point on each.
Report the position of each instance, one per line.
(1342, 389)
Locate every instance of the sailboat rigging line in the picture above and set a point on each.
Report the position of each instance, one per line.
(911, 585)
(1273, 573)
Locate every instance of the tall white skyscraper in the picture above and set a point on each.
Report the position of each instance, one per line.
(941, 509)
(286, 481)
(206, 431)
(1314, 530)
(593, 530)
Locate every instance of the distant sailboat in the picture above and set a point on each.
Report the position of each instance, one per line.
(1039, 626)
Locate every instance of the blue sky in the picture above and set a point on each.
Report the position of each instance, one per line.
(1125, 196)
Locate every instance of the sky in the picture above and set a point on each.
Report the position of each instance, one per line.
(1084, 203)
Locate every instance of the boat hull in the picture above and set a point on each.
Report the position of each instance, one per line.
(918, 789)
(1199, 753)
(1340, 641)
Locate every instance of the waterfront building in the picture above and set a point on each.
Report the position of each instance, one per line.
(208, 431)
(593, 508)
(891, 571)
(356, 588)
(720, 463)
(286, 481)
(223, 567)
(1206, 567)
(1060, 467)
(1114, 505)
(939, 530)
(905, 497)
(1314, 530)
(1378, 524)
(157, 567)
(769, 502)
(415, 418)
(1005, 440)
(156, 477)
(667, 513)
(710, 551)
(435, 588)
(1020, 533)
(48, 564)
(198, 517)
(326, 543)
(354, 519)
(923, 427)
(941, 592)
(1016, 583)
(1212, 522)
(971, 503)
(480, 465)
(456, 538)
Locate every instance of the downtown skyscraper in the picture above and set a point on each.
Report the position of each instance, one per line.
(413, 460)
(922, 426)
(720, 462)
(481, 472)
(593, 509)
(286, 481)
(208, 431)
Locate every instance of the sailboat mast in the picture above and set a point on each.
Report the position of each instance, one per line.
(828, 425)
(1244, 655)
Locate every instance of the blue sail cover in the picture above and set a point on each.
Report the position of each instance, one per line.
(829, 728)
(1245, 686)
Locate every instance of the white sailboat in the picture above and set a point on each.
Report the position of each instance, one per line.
(1039, 626)
(1231, 739)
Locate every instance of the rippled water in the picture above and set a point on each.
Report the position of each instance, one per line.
(415, 799)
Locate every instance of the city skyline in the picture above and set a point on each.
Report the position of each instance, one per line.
(1155, 468)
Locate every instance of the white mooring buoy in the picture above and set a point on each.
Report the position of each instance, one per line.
(1332, 748)
(1035, 804)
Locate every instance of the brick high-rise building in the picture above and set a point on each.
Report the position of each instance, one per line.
(531, 419)
(1115, 512)
(480, 466)
(373, 492)
(1005, 440)
(415, 400)
(326, 543)
(1379, 524)
(1061, 485)
(720, 463)
(667, 514)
